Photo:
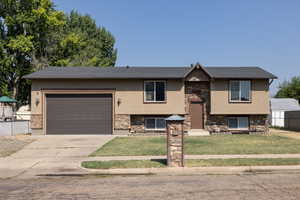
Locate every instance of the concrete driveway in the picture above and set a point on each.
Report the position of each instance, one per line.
(51, 154)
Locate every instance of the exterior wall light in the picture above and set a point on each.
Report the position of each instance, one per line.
(37, 101)
(119, 101)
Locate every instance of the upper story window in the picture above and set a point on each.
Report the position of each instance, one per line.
(155, 91)
(240, 91)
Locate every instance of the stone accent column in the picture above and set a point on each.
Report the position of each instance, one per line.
(175, 136)
(36, 121)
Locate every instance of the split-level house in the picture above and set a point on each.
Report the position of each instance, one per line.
(136, 100)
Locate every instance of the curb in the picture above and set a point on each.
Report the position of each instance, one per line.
(195, 170)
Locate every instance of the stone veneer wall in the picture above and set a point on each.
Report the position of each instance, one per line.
(259, 124)
(122, 122)
(36, 121)
(175, 142)
(196, 91)
(218, 124)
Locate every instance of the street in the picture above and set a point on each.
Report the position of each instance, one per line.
(230, 187)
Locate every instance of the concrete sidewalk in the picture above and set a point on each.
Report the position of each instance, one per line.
(107, 158)
(195, 170)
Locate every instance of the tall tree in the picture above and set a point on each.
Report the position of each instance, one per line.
(290, 89)
(24, 29)
(33, 35)
(84, 44)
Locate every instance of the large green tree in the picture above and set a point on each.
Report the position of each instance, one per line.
(24, 29)
(84, 44)
(290, 89)
(34, 35)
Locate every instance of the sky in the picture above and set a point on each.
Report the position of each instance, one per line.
(263, 33)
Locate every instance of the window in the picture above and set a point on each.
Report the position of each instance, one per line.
(240, 91)
(238, 123)
(155, 124)
(155, 91)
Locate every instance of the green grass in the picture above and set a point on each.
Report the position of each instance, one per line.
(243, 162)
(190, 163)
(206, 145)
(123, 164)
(123, 146)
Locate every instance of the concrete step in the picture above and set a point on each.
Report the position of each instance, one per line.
(198, 132)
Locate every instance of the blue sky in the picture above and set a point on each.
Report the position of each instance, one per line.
(262, 33)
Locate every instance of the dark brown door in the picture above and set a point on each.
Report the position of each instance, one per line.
(197, 115)
(79, 114)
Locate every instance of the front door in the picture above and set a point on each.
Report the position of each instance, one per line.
(197, 115)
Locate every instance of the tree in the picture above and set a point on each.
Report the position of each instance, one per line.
(84, 44)
(34, 35)
(24, 29)
(290, 89)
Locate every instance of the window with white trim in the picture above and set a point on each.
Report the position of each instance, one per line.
(240, 91)
(241, 123)
(154, 91)
(155, 123)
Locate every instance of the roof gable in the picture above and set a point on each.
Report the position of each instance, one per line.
(197, 73)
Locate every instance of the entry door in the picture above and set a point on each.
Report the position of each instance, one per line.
(197, 115)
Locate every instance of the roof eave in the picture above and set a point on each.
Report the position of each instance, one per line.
(95, 78)
(244, 77)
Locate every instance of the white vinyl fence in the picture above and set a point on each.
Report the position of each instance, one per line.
(277, 118)
(10, 128)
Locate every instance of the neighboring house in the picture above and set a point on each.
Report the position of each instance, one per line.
(23, 113)
(115, 100)
(278, 108)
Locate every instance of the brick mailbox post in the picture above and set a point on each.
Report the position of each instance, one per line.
(175, 136)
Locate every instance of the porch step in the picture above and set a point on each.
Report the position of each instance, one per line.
(198, 132)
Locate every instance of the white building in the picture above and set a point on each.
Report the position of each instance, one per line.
(278, 107)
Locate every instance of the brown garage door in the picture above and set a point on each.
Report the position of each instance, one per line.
(79, 114)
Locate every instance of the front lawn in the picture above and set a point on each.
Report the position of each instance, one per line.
(205, 145)
(191, 163)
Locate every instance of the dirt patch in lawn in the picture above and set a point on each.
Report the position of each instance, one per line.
(291, 134)
(12, 144)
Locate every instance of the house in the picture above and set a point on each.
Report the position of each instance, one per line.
(23, 113)
(122, 100)
(278, 108)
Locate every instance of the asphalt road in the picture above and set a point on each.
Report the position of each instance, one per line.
(229, 187)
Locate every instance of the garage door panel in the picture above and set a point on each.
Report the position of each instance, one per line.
(79, 114)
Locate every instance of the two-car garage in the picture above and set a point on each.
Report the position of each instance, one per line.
(79, 113)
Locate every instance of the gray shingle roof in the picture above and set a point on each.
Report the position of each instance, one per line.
(284, 104)
(145, 72)
(239, 72)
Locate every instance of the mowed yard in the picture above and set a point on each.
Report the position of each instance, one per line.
(205, 145)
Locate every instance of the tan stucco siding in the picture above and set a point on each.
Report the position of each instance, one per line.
(129, 92)
(220, 99)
